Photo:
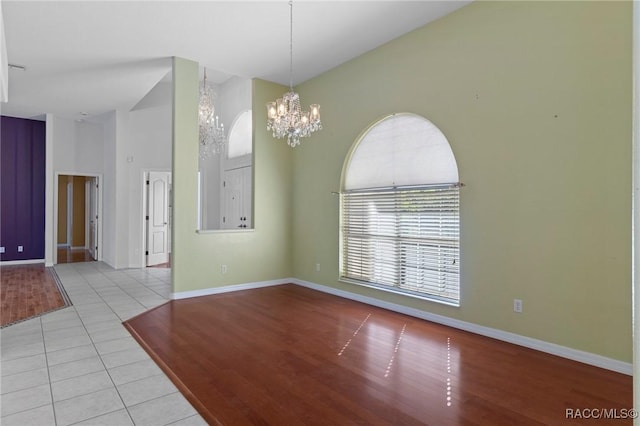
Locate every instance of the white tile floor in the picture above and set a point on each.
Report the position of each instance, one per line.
(79, 366)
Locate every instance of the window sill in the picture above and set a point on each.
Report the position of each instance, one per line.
(392, 290)
(224, 231)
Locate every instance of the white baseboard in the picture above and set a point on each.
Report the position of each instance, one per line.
(21, 262)
(528, 342)
(505, 336)
(229, 288)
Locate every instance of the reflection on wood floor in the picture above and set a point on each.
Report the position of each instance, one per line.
(69, 255)
(289, 355)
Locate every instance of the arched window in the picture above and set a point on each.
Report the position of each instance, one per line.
(240, 138)
(400, 211)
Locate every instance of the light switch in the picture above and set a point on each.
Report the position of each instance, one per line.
(1, 250)
(20, 249)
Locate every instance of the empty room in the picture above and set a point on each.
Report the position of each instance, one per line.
(319, 212)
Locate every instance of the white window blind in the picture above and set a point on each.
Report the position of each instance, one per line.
(405, 239)
(403, 149)
(400, 226)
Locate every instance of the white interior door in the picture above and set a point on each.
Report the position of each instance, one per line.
(237, 199)
(92, 185)
(158, 218)
(232, 199)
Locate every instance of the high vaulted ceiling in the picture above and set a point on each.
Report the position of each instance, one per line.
(96, 56)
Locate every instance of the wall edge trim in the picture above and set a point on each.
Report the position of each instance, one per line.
(528, 342)
(21, 262)
(229, 288)
(505, 336)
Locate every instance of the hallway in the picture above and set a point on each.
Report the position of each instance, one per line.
(78, 365)
(69, 255)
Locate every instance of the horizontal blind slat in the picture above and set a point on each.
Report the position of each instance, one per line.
(406, 239)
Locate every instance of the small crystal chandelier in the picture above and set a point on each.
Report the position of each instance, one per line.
(212, 138)
(285, 116)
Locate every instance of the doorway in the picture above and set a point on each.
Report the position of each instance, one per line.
(236, 199)
(157, 218)
(78, 218)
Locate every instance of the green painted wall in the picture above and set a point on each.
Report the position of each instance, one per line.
(258, 255)
(535, 99)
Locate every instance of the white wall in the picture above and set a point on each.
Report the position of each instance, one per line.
(117, 145)
(121, 184)
(64, 144)
(49, 241)
(235, 97)
(93, 147)
(72, 148)
(89, 143)
(115, 190)
(77, 146)
(149, 149)
(108, 190)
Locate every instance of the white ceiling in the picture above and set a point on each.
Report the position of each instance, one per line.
(96, 56)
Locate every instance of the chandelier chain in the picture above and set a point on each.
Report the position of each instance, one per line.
(285, 117)
(291, 45)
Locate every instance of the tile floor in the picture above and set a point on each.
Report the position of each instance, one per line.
(79, 366)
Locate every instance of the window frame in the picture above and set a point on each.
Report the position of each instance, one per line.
(398, 252)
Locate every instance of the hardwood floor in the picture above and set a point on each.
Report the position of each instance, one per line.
(288, 355)
(68, 255)
(27, 291)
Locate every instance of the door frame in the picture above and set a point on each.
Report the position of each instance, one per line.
(99, 180)
(69, 237)
(143, 223)
(88, 207)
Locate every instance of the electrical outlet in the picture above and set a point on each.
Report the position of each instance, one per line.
(317, 267)
(223, 269)
(517, 305)
(20, 249)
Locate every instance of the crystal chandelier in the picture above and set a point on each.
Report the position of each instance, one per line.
(212, 138)
(285, 117)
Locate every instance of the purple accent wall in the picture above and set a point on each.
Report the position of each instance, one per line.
(22, 188)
